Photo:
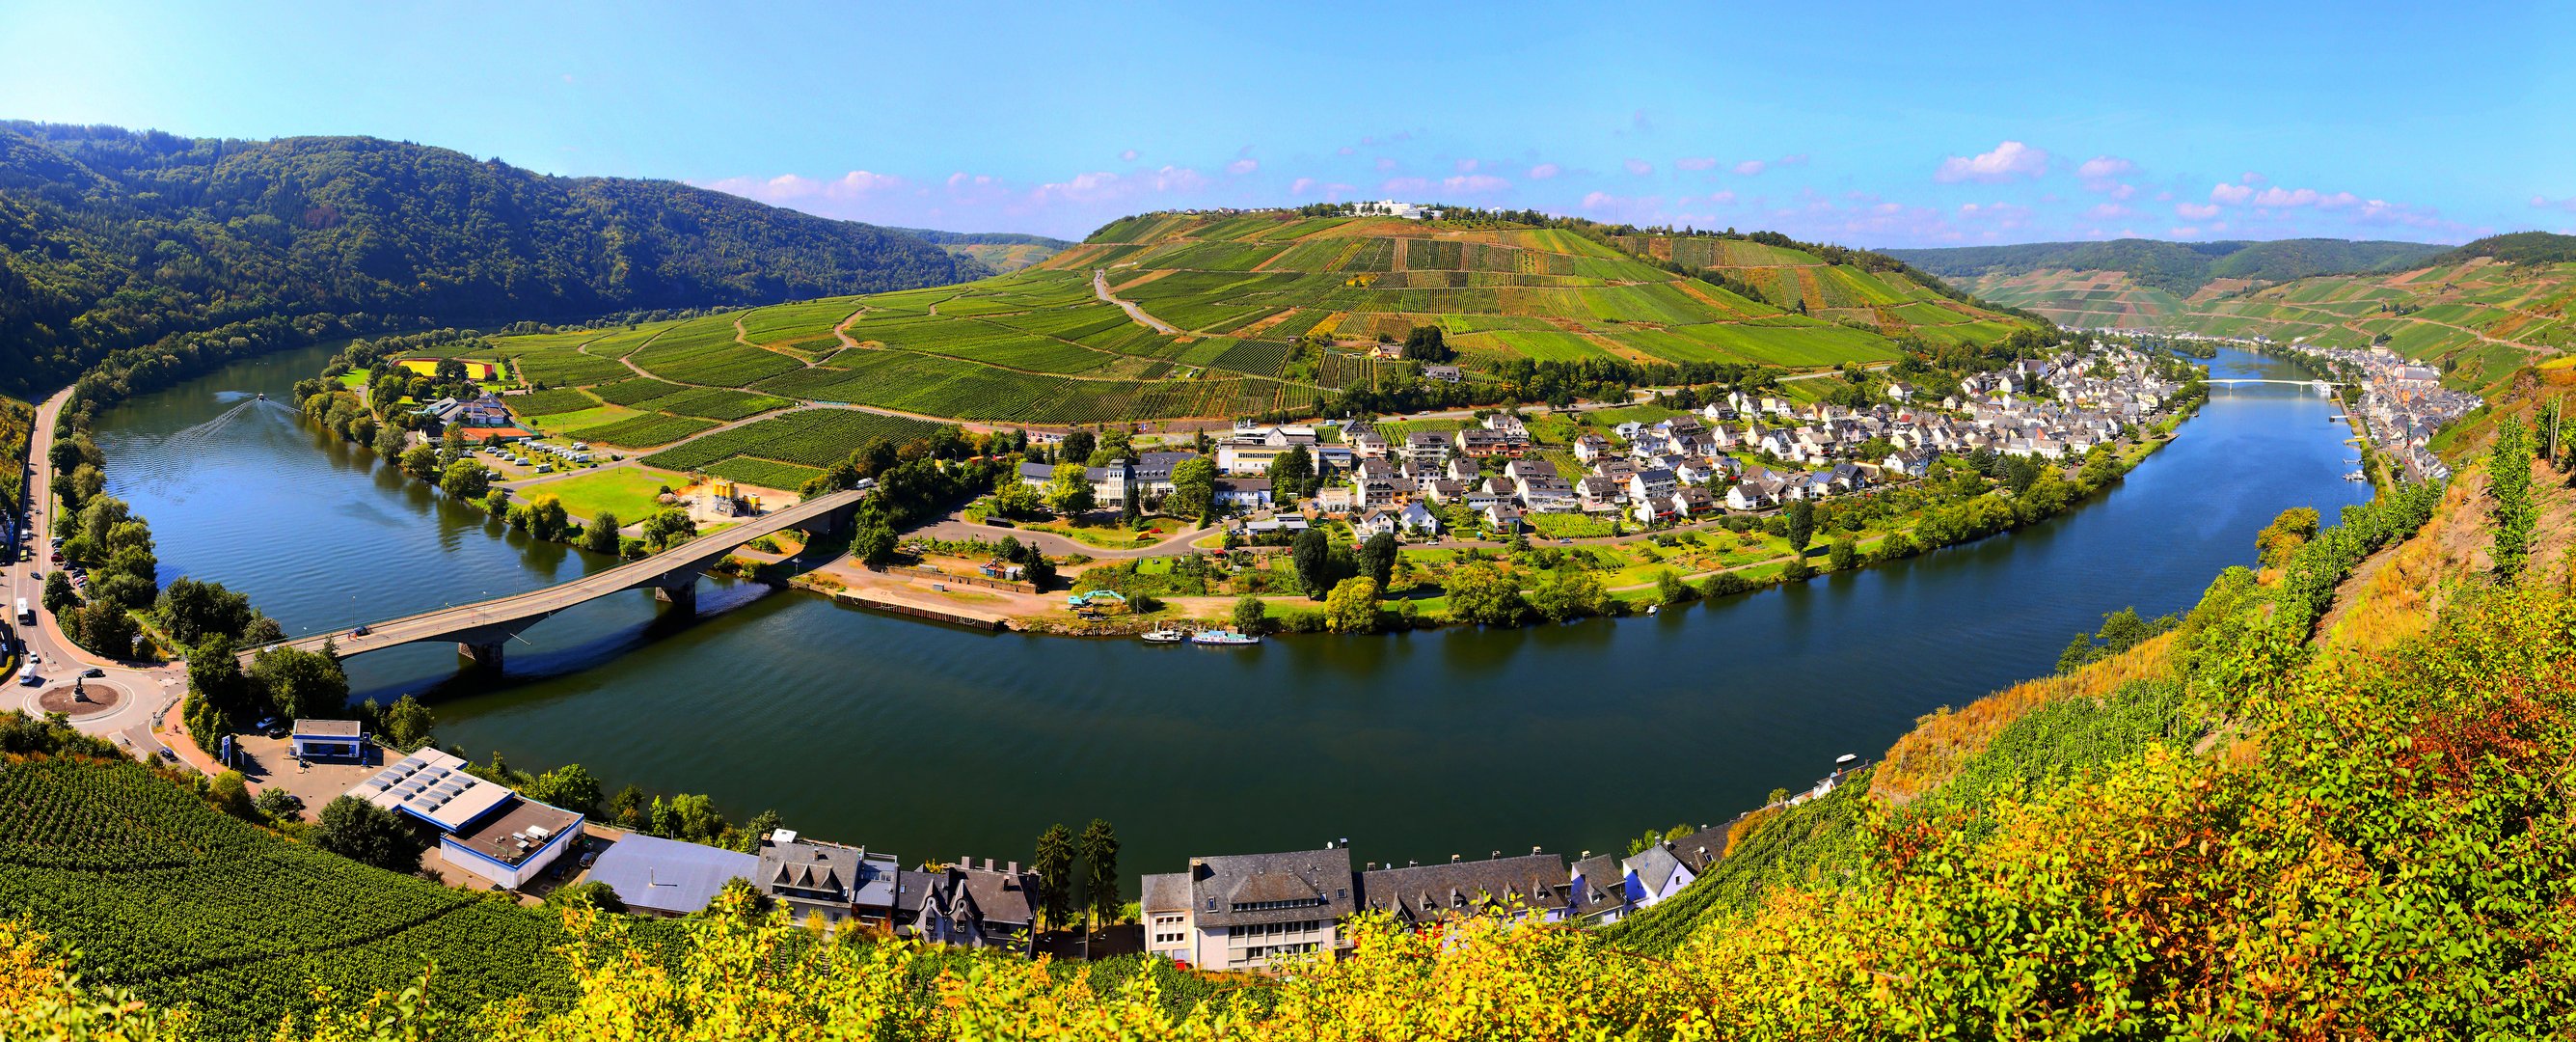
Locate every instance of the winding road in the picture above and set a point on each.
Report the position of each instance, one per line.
(1100, 286)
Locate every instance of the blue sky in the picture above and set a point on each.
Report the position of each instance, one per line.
(1871, 125)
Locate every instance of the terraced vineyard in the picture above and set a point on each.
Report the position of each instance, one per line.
(1276, 314)
(161, 894)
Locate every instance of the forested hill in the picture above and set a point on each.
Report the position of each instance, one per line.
(2180, 268)
(2516, 248)
(115, 239)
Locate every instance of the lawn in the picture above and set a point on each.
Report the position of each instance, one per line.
(571, 422)
(627, 492)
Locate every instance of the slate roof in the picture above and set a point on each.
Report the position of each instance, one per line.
(1314, 884)
(1422, 893)
(666, 875)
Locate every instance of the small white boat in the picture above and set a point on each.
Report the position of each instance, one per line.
(1165, 636)
(1654, 609)
(1223, 638)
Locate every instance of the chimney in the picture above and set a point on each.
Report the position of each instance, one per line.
(1453, 859)
(1014, 869)
(1534, 850)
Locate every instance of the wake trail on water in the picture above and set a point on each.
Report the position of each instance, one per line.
(151, 462)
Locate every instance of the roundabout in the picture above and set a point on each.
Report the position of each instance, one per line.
(82, 700)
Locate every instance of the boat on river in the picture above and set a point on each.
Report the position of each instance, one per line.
(1165, 636)
(1223, 638)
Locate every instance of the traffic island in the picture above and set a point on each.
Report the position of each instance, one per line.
(82, 700)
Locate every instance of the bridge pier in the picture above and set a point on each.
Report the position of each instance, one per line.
(681, 596)
(483, 655)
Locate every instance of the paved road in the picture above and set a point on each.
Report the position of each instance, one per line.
(527, 608)
(148, 688)
(1100, 286)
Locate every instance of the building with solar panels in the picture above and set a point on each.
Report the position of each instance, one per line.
(483, 827)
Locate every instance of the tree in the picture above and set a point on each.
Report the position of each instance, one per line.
(1069, 490)
(1076, 448)
(1425, 344)
(1569, 594)
(1292, 475)
(363, 832)
(230, 793)
(1251, 615)
(421, 461)
(2289, 531)
(1054, 868)
(389, 442)
(1193, 488)
(1377, 558)
(591, 894)
(1352, 606)
(874, 542)
(301, 683)
(465, 479)
(1312, 553)
(192, 611)
(1801, 518)
(59, 595)
(669, 527)
(600, 536)
(279, 804)
(220, 697)
(1484, 594)
(1670, 590)
(546, 518)
(1099, 852)
(1843, 554)
(407, 724)
(570, 787)
(105, 628)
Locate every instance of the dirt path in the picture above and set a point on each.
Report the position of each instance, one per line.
(1100, 287)
(955, 526)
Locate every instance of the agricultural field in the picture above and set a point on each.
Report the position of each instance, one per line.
(1277, 312)
(550, 401)
(812, 438)
(645, 431)
(156, 892)
(628, 492)
(787, 477)
(474, 370)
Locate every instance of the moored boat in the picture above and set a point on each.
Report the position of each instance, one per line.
(1223, 638)
(1165, 636)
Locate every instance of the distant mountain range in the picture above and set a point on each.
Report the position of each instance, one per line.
(113, 239)
(1004, 252)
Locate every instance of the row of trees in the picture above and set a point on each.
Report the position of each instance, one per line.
(1078, 876)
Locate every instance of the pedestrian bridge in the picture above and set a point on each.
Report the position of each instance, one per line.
(2319, 386)
(480, 629)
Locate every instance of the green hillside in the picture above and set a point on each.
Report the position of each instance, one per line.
(1269, 313)
(1004, 252)
(2177, 268)
(114, 239)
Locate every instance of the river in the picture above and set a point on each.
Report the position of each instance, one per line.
(933, 742)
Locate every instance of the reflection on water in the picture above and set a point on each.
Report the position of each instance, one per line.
(932, 741)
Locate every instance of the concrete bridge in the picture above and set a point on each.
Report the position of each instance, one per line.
(2319, 386)
(482, 628)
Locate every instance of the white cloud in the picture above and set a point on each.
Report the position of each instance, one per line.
(2251, 178)
(1597, 200)
(1385, 164)
(1799, 159)
(2542, 202)
(2009, 160)
(1241, 167)
(2279, 198)
(1405, 185)
(2337, 201)
(1474, 184)
(2182, 233)
(1750, 167)
(2231, 194)
(2104, 168)
(1465, 166)
(1724, 198)
(1128, 156)
(2107, 211)
(1695, 162)
(1639, 167)
(1543, 171)
(2195, 211)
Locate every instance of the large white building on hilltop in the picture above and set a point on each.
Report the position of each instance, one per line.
(1391, 208)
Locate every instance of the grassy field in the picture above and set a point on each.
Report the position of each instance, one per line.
(627, 492)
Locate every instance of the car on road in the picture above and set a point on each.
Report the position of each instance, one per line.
(93, 671)
(361, 631)
(588, 856)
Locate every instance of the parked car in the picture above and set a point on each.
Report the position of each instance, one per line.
(93, 671)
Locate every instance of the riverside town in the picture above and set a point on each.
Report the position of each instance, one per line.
(604, 547)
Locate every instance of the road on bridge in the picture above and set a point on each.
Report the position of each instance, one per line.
(505, 616)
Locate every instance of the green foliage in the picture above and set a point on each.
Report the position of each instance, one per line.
(2509, 491)
(1351, 607)
(1251, 615)
(1054, 867)
(209, 249)
(1098, 849)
